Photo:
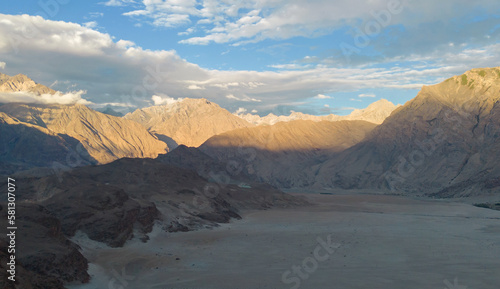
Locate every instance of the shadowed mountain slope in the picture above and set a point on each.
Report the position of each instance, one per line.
(105, 138)
(444, 142)
(279, 154)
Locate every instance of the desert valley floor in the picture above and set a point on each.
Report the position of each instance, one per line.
(380, 241)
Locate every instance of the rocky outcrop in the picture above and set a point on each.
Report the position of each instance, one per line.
(45, 258)
(121, 200)
(189, 122)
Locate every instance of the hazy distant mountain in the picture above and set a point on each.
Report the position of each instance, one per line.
(110, 111)
(443, 142)
(279, 154)
(189, 122)
(102, 137)
(21, 82)
(376, 112)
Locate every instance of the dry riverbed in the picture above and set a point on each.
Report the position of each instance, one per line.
(343, 241)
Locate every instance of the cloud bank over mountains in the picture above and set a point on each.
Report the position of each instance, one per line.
(74, 97)
(117, 71)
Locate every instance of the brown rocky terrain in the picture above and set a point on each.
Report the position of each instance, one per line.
(25, 146)
(443, 143)
(193, 159)
(189, 122)
(116, 202)
(279, 154)
(41, 135)
(45, 258)
(23, 83)
(102, 137)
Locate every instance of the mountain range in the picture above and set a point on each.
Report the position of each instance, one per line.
(376, 113)
(188, 122)
(191, 164)
(444, 142)
(441, 142)
(282, 154)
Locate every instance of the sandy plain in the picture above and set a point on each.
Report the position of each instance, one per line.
(376, 241)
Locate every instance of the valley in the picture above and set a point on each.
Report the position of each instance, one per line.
(378, 241)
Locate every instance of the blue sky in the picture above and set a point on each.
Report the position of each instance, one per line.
(318, 57)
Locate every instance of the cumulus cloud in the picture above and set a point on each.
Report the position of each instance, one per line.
(240, 110)
(161, 100)
(363, 95)
(2, 65)
(74, 97)
(241, 22)
(70, 53)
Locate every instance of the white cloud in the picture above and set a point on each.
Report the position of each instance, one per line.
(117, 2)
(195, 87)
(244, 99)
(240, 110)
(95, 15)
(136, 13)
(322, 96)
(290, 66)
(256, 20)
(2, 65)
(353, 99)
(74, 97)
(72, 54)
(366, 95)
(35, 33)
(225, 85)
(90, 24)
(161, 100)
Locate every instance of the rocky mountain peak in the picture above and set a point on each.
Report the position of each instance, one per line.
(21, 82)
(188, 121)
